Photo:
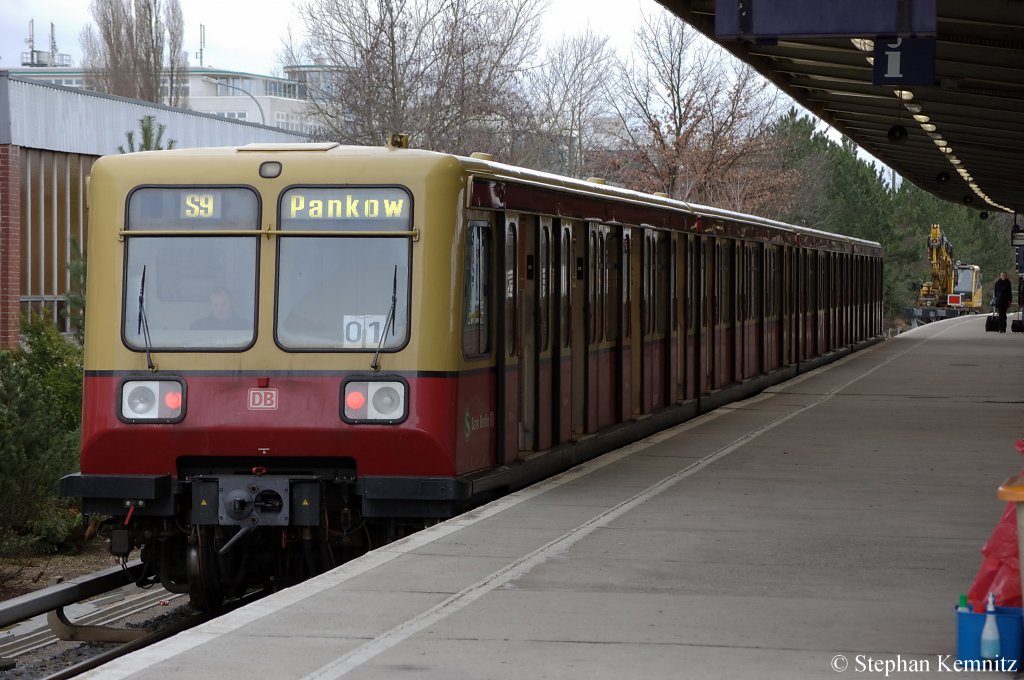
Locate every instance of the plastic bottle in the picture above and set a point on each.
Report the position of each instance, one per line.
(990, 632)
(963, 606)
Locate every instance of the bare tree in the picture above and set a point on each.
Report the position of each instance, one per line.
(446, 72)
(568, 89)
(176, 67)
(135, 50)
(692, 125)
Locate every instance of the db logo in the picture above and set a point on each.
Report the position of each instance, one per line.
(262, 399)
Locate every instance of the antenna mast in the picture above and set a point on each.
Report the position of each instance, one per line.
(202, 42)
(36, 57)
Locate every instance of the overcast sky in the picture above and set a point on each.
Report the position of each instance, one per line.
(246, 35)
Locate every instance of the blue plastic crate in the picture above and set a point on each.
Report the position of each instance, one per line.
(1011, 632)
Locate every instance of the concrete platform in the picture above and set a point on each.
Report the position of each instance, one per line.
(826, 525)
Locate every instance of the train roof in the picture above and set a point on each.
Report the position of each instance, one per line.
(482, 164)
(501, 170)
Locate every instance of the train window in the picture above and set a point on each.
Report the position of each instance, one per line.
(476, 306)
(343, 293)
(188, 290)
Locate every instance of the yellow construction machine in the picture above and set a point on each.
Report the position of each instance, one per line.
(953, 288)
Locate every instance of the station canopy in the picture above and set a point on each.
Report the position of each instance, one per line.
(952, 124)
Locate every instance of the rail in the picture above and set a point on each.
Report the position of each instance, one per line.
(67, 593)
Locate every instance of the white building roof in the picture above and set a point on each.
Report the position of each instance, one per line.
(45, 116)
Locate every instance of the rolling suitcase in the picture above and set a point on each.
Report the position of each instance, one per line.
(991, 323)
(1017, 325)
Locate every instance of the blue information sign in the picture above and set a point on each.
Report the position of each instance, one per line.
(904, 61)
(753, 19)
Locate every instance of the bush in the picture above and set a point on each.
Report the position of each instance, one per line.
(40, 430)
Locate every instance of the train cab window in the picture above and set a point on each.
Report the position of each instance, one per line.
(343, 275)
(190, 283)
(476, 295)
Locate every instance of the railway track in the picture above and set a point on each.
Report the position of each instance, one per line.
(96, 626)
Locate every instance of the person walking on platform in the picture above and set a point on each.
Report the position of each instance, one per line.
(1002, 294)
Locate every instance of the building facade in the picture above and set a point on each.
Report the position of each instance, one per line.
(50, 135)
(237, 95)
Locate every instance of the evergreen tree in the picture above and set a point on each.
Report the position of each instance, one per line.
(846, 195)
(150, 138)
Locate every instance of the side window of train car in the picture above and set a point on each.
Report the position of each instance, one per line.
(343, 276)
(190, 268)
(476, 292)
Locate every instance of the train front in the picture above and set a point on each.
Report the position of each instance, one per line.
(256, 408)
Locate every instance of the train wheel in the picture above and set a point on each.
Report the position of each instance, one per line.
(205, 591)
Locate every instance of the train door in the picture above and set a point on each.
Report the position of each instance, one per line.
(628, 380)
(785, 293)
(823, 307)
(810, 306)
(508, 366)
(769, 310)
(795, 298)
(827, 308)
(792, 305)
(691, 306)
(725, 326)
(654, 320)
(707, 314)
(675, 278)
(477, 395)
(595, 322)
(661, 340)
(609, 349)
(844, 298)
(528, 368)
(545, 398)
(741, 301)
(753, 320)
(579, 325)
(562, 339)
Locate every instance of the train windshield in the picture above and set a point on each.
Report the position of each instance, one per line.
(343, 268)
(189, 283)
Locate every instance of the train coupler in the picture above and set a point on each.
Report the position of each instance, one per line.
(256, 500)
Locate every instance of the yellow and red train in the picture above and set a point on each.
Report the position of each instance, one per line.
(295, 353)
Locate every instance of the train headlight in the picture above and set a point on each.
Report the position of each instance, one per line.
(371, 401)
(152, 401)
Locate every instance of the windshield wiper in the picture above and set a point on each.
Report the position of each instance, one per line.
(143, 328)
(388, 322)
